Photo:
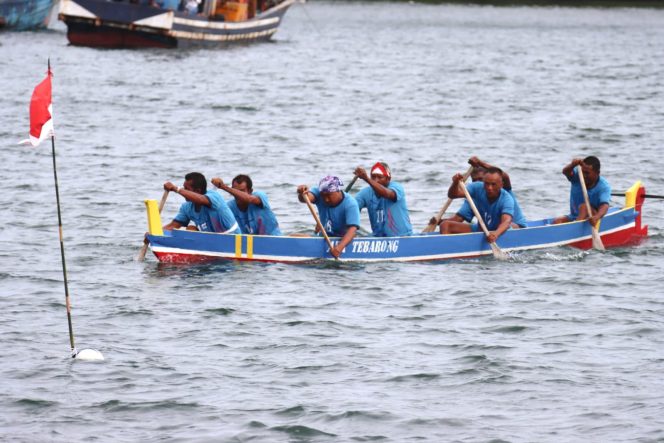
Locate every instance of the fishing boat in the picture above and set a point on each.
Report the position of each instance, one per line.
(25, 15)
(620, 227)
(170, 23)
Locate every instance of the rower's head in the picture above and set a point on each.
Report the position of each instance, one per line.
(493, 182)
(331, 190)
(381, 173)
(477, 174)
(195, 182)
(243, 183)
(591, 167)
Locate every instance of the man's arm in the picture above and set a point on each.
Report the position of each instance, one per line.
(302, 191)
(475, 162)
(380, 190)
(194, 197)
(347, 238)
(505, 222)
(455, 190)
(568, 170)
(244, 197)
(601, 212)
(173, 225)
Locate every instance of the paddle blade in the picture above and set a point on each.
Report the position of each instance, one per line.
(597, 240)
(430, 228)
(142, 252)
(498, 253)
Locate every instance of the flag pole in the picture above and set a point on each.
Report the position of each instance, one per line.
(62, 243)
(62, 250)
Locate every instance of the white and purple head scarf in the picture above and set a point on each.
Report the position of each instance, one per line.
(331, 183)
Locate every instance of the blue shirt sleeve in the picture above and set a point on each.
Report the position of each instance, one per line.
(398, 190)
(316, 193)
(575, 176)
(216, 201)
(182, 216)
(263, 197)
(465, 211)
(352, 211)
(363, 197)
(604, 196)
(507, 206)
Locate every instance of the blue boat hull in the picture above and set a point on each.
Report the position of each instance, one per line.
(25, 15)
(620, 227)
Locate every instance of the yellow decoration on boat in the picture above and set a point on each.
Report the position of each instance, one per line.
(238, 245)
(630, 195)
(154, 219)
(250, 246)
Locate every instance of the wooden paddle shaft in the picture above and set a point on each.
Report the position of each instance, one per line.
(318, 222)
(597, 240)
(430, 227)
(352, 182)
(585, 192)
(474, 208)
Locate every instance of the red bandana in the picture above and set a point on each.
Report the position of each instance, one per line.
(379, 169)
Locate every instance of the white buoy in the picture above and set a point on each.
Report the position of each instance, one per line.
(89, 355)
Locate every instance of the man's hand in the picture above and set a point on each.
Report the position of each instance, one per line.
(492, 237)
(336, 252)
(474, 161)
(218, 182)
(362, 173)
(302, 189)
(457, 177)
(594, 219)
(170, 187)
(434, 221)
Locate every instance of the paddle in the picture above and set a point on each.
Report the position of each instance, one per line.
(431, 226)
(497, 252)
(597, 241)
(622, 194)
(144, 249)
(352, 182)
(318, 223)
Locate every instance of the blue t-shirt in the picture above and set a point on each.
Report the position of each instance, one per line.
(490, 212)
(256, 220)
(336, 220)
(518, 217)
(216, 218)
(388, 218)
(598, 194)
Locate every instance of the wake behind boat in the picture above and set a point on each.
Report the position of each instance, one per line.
(170, 23)
(618, 228)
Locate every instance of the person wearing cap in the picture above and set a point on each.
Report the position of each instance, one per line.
(599, 191)
(385, 201)
(338, 211)
(250, 208)
(206, 209)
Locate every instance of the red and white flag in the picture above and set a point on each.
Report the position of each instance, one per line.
(41, 112)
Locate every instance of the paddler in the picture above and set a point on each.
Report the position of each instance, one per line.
(207, 210)
(338, 211)
(599, 191)
(495, 205)
(251, 208)
(519, 220)
(385, 201)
